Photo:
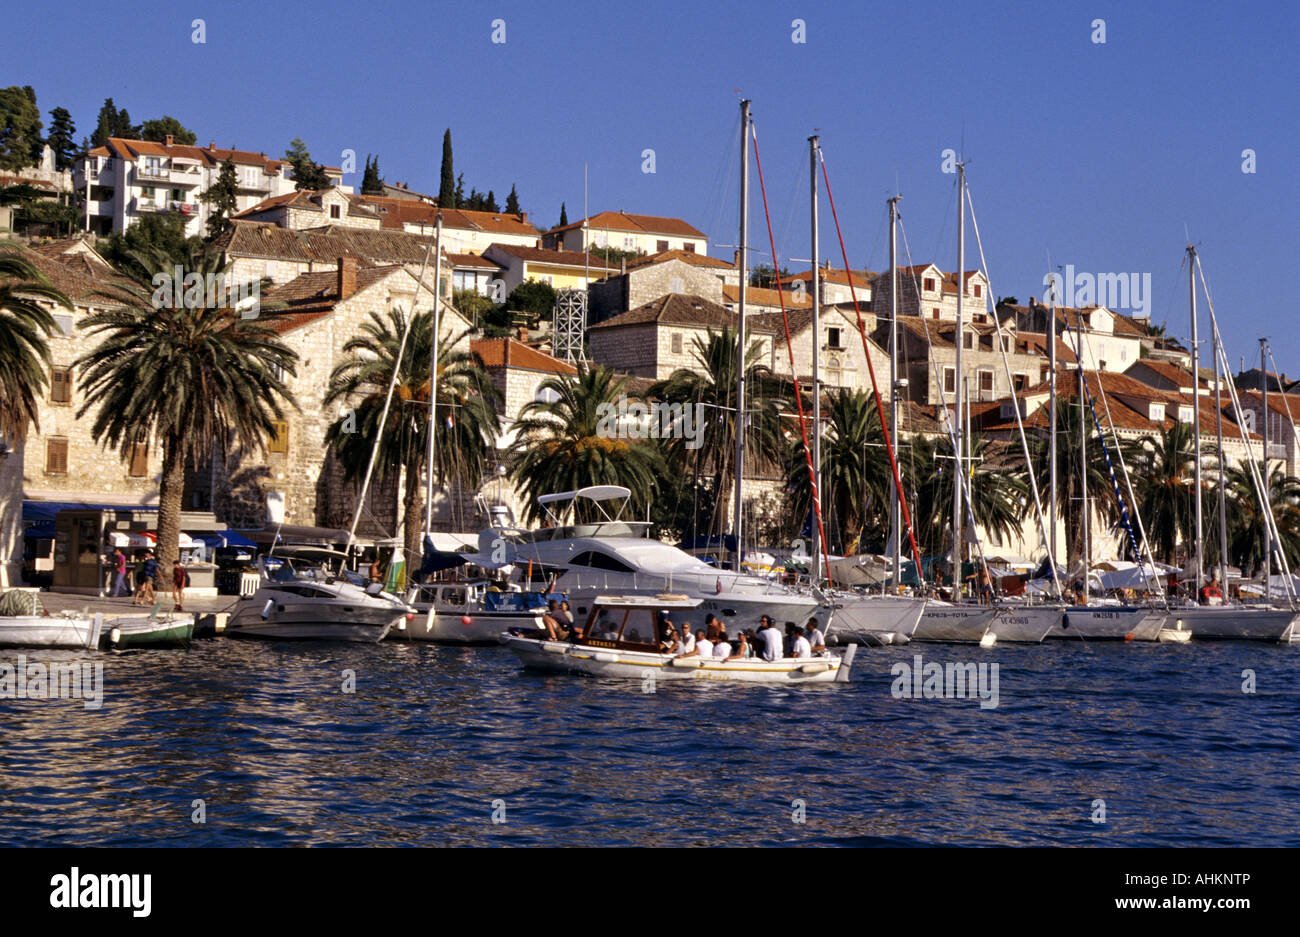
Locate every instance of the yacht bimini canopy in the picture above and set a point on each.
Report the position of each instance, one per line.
(593, 493)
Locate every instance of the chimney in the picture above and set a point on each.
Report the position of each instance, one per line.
(523, 216)
(735, 258)
(347, 277)
(523, 333)
(171, 140)
(212, 144)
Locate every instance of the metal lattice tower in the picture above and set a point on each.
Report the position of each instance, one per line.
(569, 325)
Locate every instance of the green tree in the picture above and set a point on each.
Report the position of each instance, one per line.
(764, 275)
(475, 307)
(45, 216)
(307, 174)
(106, 124)
(564, 441)
(152, 243)
(371, 182)
(160, 128)
(614, 255)
(447, 194)
(123, 127)
(191, 378)
(533, 297)
(25, 324)
(20, 128)
(221, 197)
(467, 417)
(709, 388)
(458, 194)
(512, 201)
(62, 138)
(564, 217)
(1247, 526)
(1162, 472)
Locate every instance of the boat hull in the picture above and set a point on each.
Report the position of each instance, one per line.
(561, 657)
(739, 611)
(873, 620)
(48, 631)
(450, 628)
(1234, 623)
(312, 622)
(1024, 624)
(1102, 623)
(143, 631)
(954, 624)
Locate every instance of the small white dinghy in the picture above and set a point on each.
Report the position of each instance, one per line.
(24, 623)
(620, 639)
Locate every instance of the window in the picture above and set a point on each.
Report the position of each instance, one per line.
(833, 338)
(985, 379)
(335, 211)
(677, 285)
(1019, 381)
(950, 380)
(979, 291)
(280, 436)
(56, 455)
(138, 460)
(928, 284)
(661, 246)
(967, 339)
(60, 385)
(64, 322)
(147, 192)
(1006, 342)
(677, 343)
(934, 313)
(688, 247)
(629, 243)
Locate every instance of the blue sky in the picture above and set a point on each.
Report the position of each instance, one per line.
(1101, 155)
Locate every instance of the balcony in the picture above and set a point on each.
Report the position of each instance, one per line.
(188, 209)
(153, 174)
(262, 184)
(147, 205)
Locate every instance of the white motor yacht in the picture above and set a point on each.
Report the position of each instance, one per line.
(306, 595)
(611, 555)
(470, 612)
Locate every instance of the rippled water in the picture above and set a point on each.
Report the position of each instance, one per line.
(432, 737)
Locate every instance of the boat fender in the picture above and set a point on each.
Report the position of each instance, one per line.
(846, 663)
(819, 667)
(686, 662)
(1065, 620)
(114, 636)
(466, 620)
(552, 649)
(605, 658)
(266, 609)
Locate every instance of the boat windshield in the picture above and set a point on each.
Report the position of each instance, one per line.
(602, 529)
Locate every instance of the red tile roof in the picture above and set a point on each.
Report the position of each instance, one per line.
(690, 257)
(396, 212)
(639, 224)
(674, 309)
(760, 296)
(509, 353)
(210, 156)
(538, 255)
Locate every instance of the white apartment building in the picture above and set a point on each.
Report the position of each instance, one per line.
(646, 234)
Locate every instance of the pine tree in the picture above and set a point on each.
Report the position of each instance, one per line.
(371, 182)
(123, 128)
(106, 124)
(512, 201)
(307, 174)
(61, 138)
(458, 194)
(220, 197)
(160, 129)
(448, 191)
(564, 217)
(490, 202)
(20, 128)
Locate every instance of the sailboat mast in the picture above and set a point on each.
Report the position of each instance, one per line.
(1086, 556)
(1196, 415)
(1051, 440)
(1268, 550)
(957, 528)
(895, 500)
(816, 362)
(1218, 432)
(738, 524)
(433, 375)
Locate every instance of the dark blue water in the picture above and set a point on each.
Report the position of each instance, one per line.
(432, 737)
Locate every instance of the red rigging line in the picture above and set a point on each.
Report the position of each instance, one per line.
(880, 407)
(794, 375)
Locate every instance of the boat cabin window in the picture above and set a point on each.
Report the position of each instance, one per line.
(597, 560)
(453, 595)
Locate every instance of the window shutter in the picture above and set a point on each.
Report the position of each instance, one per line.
(56, 456)
(60, 385)
(139, 466)
(280, 437)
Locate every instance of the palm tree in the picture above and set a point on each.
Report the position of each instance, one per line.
(24, 355)
(563, 441)
(1247, 528)
(190, 376)
(1163, 483)
(855, 475)
(711, 388)
(467, 416)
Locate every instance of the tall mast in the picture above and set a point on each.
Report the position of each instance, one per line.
(1196, 415)
(895, 521)
(740, 323)
(957, 384)
(1086, 557)
(1218, 432)
(816, 361)
(1268, 495)
(1051, 442)
(433, 373)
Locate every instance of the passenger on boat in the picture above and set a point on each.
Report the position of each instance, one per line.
(801, 647)
(712, 627)
(770, 638)
(815, 637)
(669, 644)
(722, 647)
(703, 646)
(788, 643)
(687, 644)
(566, 613)
(551, 624)
(743, 648)
(1211, 594)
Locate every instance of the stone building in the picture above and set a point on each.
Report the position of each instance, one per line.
(925, 290)
(310, 208)
(645, 234)
(653, 277)
(836, 285)
(843, 362)
(463, 231)
(1112, 341)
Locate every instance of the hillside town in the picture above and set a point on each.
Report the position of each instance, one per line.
(533, 309)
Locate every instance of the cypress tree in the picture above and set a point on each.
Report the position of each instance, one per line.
(564, 216)
(447, 188)
(512, 201)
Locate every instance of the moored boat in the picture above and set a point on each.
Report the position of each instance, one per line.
(874, 619)
(123, 631)
(24, 623)
(1025, 624)
(1105, 623)
(949, 623)
(469, 612)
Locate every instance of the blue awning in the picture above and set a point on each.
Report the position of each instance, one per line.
(36, 512)
(226, 538)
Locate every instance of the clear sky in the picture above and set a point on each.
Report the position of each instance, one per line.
(1101, 155)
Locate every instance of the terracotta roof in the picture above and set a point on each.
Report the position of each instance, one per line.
(861, 278)
(396, 212)
(509, 353)
(1165, 369)
(760, 296)
(470, 260)
(640, 224)
(81, 277)
(209, 156)
(690, 257)
(1035, 343)
(324, 244)
(1277, 402)
(674, 309)
(538, 255)
(308, 200)
(311, 296)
